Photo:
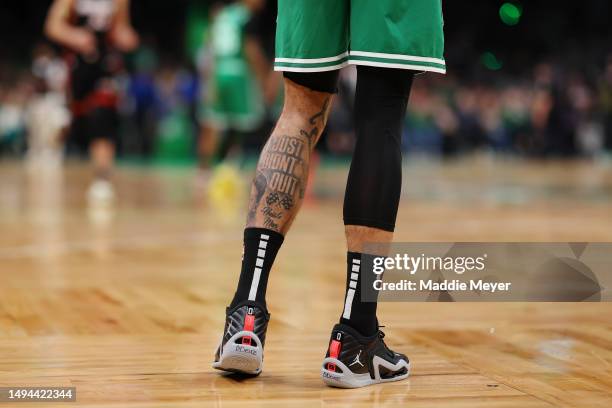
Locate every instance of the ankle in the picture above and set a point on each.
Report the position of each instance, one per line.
(260, 249)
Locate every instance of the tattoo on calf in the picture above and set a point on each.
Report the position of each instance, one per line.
(269, 212)
(259, 189)
(282, 173)
(268, 223)
(284, 166)
(312, 134)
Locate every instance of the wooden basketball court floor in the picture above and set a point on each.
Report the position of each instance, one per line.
(128, 306)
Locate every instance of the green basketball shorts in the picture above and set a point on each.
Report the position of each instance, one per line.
(325, 35)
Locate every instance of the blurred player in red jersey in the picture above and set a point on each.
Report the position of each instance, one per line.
(95, 33)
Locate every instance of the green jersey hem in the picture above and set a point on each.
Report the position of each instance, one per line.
(311, 64)
(411, 62)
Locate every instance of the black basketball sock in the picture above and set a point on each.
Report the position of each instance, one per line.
(358, 314)
(260, 249)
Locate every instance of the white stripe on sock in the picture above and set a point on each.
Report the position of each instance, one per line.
(261, 254)
(348, 303)
(354, 276)
(356, 268)
(254, 284)
(356, 261)
(353, 284)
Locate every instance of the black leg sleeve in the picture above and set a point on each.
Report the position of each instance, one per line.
(375, 179)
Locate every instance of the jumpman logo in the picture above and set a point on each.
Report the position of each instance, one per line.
(356, 360)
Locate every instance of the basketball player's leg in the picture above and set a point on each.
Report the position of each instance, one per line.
(282, 171)
(311, 59)
(387, 56)
(409, 39)
(280, 182)
(215, 124)
(357, 237)
(375, 179)
(207, 145)
(102, 152)
(370, 209)
(103, 128)
(276, 196)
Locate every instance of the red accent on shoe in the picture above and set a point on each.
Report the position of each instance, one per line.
(249, 325)
(334, 352)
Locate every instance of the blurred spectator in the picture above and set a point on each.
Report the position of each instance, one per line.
(47, 116)
(14, 98)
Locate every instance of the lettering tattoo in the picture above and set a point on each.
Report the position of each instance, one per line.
(268, 223)
(320, 116)
(269, 212)
(282, 174)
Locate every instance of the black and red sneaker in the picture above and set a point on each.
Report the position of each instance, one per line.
(241, 348)
(354, 361)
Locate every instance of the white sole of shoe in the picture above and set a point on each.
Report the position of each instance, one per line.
(241, 358)
(347, 379)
